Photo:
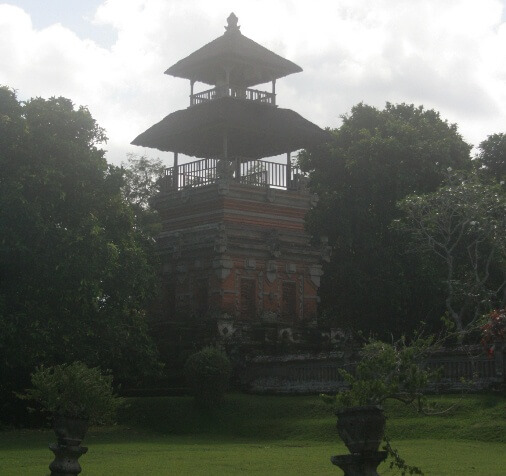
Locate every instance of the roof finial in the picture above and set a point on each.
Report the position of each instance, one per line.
(232, 23)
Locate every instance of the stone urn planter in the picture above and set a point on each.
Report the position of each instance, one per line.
(385, 370)
(74, 395)
(361, 428)
(70, 433)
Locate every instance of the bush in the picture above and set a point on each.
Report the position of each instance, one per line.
(208, 373)
(386, 371)
(74, 391)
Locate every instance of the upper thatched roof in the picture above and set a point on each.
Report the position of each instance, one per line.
(254, 130)
(249, 63)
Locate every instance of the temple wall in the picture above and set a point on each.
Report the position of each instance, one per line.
(246, 245)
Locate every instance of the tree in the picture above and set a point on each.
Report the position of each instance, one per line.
(378, 157)
(141, 183)
(142, 178)
(491, 158)
(463, 224)
(76, 274)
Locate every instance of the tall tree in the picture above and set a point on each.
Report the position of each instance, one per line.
(142, 176)
(491, 157)
(75, 272)
(378, 157)
(463, 226)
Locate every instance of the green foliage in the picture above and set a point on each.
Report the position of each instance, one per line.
(208, 374)
(462, 225)
(397, 462)
(76, 272)
(378, 157)
(491, 158)
(385, 371)
(141, 182)
(75, 391)
(142, 175)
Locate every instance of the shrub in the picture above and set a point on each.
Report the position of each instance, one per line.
(385, 371)
(74, 391)
(208, 373)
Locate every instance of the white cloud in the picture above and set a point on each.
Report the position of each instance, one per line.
(445, 55)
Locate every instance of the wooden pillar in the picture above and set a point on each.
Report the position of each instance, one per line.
(176, 172)
(227, 81)
(237, 169)
(273, 92)
(288, 171)
(192, 83)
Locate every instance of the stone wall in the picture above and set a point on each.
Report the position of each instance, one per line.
(464, 368)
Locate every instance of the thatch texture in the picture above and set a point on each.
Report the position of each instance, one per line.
(250, 62)
(254, 130)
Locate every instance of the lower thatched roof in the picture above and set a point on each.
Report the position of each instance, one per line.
(254, 130)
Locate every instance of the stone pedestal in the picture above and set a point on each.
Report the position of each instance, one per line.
(364, 464)
(65, 462)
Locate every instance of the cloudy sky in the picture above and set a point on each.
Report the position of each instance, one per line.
(449, 55)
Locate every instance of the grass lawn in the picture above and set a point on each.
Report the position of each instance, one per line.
(269, 435)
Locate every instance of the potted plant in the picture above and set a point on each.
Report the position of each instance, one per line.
(384, 371)
(75, 396)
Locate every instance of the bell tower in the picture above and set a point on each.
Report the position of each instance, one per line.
(234, 249)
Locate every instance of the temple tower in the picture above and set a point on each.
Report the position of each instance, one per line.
(233, 244)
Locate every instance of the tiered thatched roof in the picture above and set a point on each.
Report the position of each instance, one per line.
(254, 130)
(249, 62)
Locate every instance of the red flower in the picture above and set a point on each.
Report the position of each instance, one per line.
(494, 330)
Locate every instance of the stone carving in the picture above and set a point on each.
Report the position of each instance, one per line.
(232, 23)
(221, 241)
(250, 263)
(315, 273)
(291, 268)
(271, 273)
(226, 328)
(222, 267)
(273, 243)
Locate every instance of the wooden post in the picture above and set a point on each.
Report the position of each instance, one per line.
(273, 92)
(192, 82)
(288, 171)
(227, 81)
(176, 172)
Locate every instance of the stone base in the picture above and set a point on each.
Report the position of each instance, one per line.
(65, 462)
(360, 464)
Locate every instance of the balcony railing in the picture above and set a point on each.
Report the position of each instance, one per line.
(258, 173)
(238, 93)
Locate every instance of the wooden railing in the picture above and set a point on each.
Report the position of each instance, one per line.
(258, 173)
(234, 92)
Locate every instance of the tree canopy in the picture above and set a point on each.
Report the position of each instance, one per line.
(378, 157)
(75, 272)
(463, 226)
(491, 157)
